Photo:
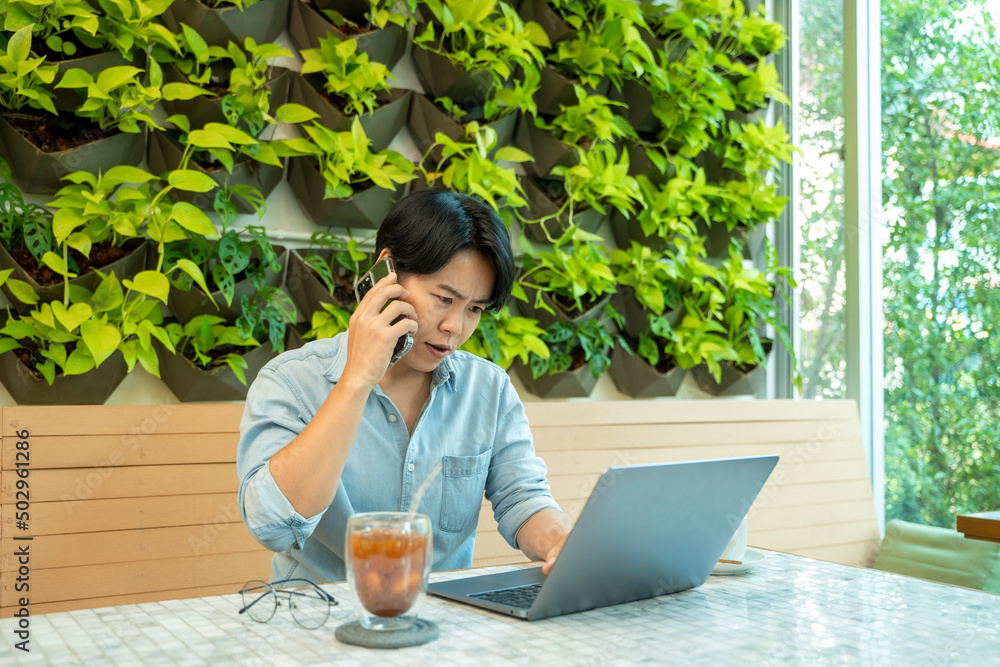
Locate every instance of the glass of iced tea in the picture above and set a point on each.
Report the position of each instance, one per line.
(388, 558)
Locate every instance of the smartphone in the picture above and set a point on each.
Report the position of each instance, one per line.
(380, 270)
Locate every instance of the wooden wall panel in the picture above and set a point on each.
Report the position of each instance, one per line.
(123, 482)
(128, 504)
(91, 581)
(133, 598)
(120, 546)
(98, 451)
(122, 420)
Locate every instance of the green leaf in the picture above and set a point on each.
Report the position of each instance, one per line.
(536, 345)
(57, 264)
(183, 91)
(191, 269)
(150, 362)
(511, 154)
(48, 371)
(18, 329)
(237, 364)
(79, 242)
(124, 173)
(190, 180)
(108, 295)
(75, 78)
(294, 113)
(19, 46)
(113, 77)
(22, 291)
(203, 139)
(153, 283)
(101, 339)
(80, 361)
(229, 133)
(71, 317)
(193, 219)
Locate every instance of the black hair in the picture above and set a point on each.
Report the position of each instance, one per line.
(427, 228)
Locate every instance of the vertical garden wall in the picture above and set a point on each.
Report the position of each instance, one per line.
(626, 145)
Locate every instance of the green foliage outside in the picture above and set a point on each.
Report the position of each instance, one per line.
(941, 245)
(821, 356)
(941, 197)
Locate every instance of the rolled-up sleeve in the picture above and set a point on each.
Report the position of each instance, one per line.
(274, 414)
(516, 485)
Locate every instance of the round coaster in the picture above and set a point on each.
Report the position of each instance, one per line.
(419, 633)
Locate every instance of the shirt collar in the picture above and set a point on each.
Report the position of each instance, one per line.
(336, 368)
(444, 374)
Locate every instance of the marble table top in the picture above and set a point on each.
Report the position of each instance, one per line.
(786, 610)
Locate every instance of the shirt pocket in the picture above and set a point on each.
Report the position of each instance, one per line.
(463, 481)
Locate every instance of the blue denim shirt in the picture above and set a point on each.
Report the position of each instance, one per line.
(473, 423)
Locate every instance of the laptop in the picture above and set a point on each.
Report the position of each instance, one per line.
(646, 530)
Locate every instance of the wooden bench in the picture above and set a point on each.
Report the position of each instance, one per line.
(138, 503)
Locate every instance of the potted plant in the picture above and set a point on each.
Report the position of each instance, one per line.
(740, 214)
(467, 166)
(579, 354)
(82, 235)
(233, 265)
(652, 370)
(381, 32)
(430, 117)
(339, 82)
(221, 22)
(25, 238)
(552, 143)
(236, 84)
(647, 286)
(78, 349)
(606, 48)
(733, 348)
(75, 34)
(503, 337)
(339, 181)
(611, 49)
(241, 118)
(210, 360)
(572, 285)
(41, 146)
(599, 178)
(668, 211)
(748, 151)
(325, 272)
(328, 321)
(465, 49)
(122, 204)
(695, 110)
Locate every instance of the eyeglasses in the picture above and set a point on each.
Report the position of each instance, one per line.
(309, 603)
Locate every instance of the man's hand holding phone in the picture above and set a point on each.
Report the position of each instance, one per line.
(382, 326)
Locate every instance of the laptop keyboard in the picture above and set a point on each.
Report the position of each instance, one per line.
(520, 597)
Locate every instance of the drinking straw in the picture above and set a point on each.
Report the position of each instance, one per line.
(415, 501)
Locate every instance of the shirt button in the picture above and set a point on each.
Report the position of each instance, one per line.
(392, 418)
(411, 467)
